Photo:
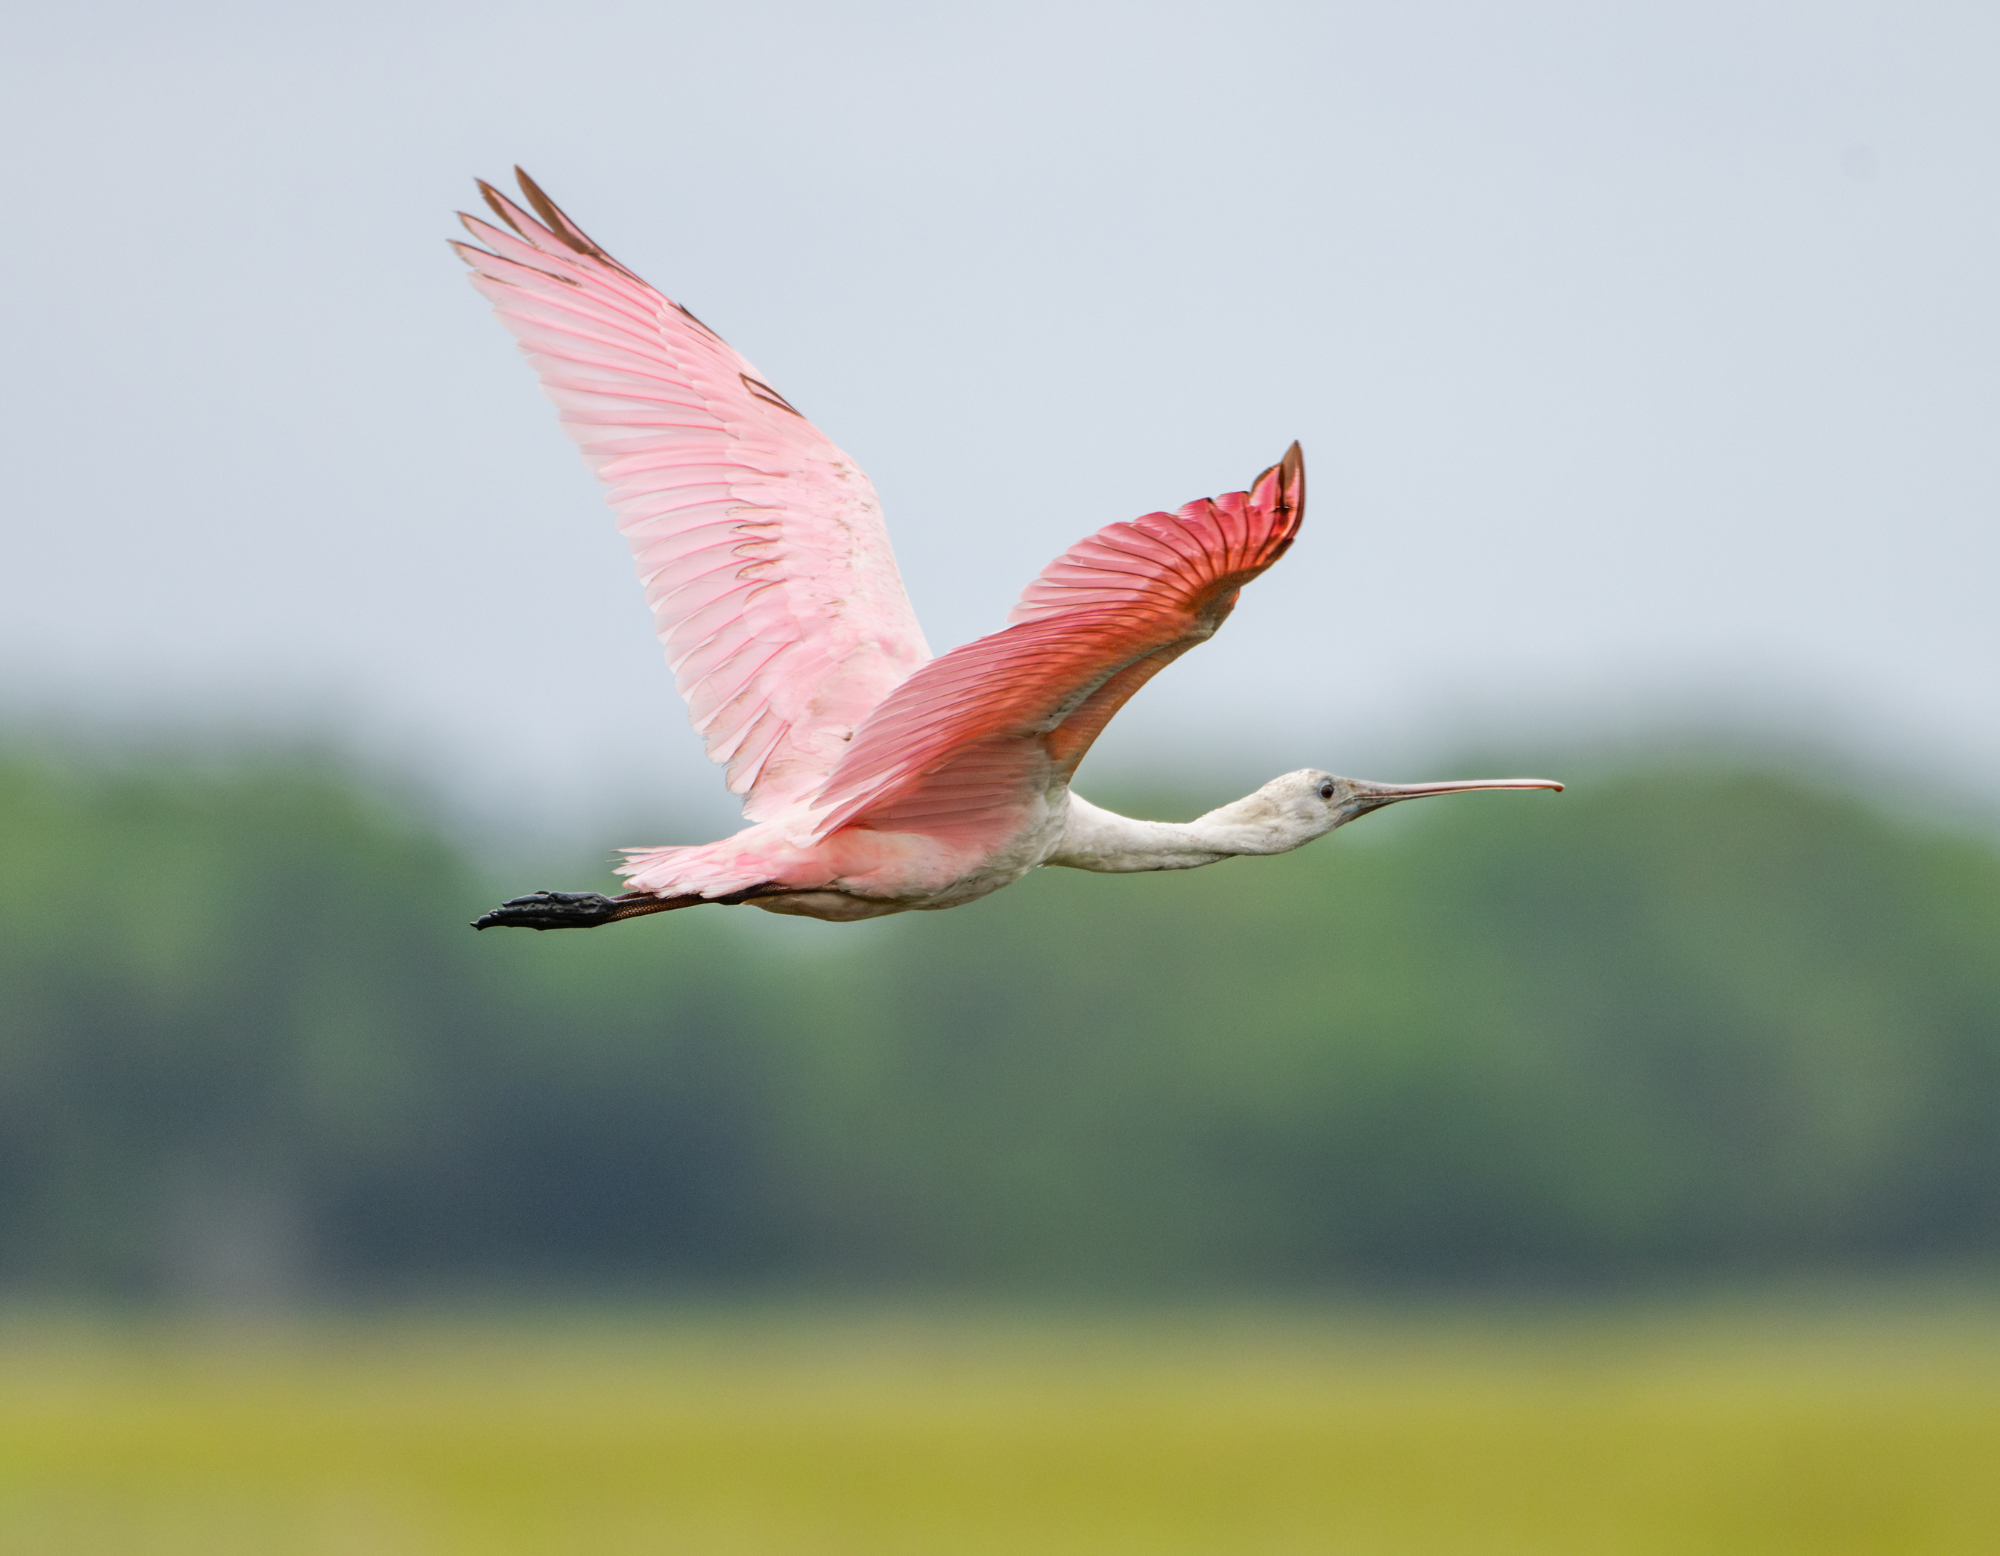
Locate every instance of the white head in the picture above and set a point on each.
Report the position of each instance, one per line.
(1291, 811)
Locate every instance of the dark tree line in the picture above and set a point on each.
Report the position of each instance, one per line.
(1697, 1021)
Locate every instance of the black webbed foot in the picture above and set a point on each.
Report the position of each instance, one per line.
(550, 910)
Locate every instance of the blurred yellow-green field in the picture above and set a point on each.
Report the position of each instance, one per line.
(1754, 1429)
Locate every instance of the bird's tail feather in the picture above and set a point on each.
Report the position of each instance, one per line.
(704, 870)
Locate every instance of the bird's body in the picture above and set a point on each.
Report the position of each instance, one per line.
(876, 778)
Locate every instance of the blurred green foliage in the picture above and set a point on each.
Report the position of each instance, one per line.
(1684, 1020)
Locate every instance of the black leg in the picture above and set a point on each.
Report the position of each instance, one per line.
(549, 910)
(588, 909)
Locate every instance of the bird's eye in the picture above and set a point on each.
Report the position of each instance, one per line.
(1326, 791)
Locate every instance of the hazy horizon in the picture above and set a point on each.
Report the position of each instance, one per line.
(1644, 361)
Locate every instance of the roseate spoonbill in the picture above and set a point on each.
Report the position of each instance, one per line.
(875, 778)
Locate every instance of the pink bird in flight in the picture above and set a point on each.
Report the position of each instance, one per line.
(875, 778)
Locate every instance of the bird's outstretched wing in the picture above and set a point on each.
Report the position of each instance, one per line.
(960, 745)
(760, 545)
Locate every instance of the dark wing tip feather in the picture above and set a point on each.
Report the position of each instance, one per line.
(497, 203)
(472, 224)
(552, 215)
(759, 390)
(1291, 472)
(566, 230)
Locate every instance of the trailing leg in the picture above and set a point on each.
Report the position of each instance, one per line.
(577, 909)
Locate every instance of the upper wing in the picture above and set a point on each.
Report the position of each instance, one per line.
(968, 737)
(760, 545)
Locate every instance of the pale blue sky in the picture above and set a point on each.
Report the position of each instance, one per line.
(1645, 356)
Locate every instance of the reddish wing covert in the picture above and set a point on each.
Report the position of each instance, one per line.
(970, 737)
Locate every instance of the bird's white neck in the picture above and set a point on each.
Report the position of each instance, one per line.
(1098, 839)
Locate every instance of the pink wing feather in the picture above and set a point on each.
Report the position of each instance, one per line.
(760, 544)
(966, 740)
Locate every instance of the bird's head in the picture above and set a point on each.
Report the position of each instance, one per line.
(1294, 809)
